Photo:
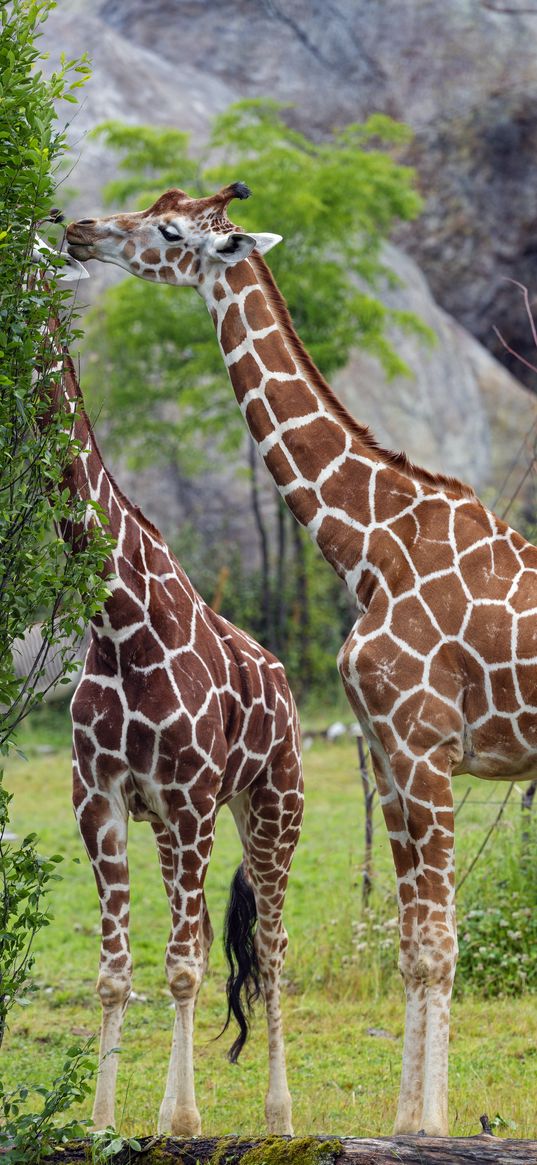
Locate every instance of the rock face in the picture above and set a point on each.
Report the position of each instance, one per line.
(459, 410)
(129, 83)
(465, 78)
(461, 74)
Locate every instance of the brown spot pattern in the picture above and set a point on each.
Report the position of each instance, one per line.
(273, 353)
(233, 331)
(150, 256)
(153, 736)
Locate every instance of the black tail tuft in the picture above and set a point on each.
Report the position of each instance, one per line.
(243, 986)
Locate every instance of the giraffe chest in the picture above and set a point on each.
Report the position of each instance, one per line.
(430, 665)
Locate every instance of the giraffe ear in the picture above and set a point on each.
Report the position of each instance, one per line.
(265, 242)
(231, 248)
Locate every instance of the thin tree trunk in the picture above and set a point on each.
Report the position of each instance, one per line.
(369, 797)
(527, 806)
(302, 600)
(266, 594)
(280, 605)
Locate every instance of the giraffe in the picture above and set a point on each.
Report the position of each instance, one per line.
(177, 713)
(440, 666)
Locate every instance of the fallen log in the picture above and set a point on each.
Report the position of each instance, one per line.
(418, 1150)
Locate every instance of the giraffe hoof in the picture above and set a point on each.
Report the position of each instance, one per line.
(408, 1128)
(186, 1122)
(279, 1119)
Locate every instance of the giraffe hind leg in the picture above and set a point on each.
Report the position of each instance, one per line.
(168, 867)
(187, 849)
(269, 816)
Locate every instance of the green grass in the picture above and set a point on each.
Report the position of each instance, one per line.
(344, 1081)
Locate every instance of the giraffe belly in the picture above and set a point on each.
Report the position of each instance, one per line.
(502, 759)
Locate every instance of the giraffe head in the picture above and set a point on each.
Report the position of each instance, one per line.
(178, 240)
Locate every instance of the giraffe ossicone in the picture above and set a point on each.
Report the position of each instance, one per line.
(441, 665)
(177, 713)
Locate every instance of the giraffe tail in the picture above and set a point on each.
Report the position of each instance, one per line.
(243, 985)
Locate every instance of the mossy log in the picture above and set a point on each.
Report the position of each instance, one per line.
(480, 1150)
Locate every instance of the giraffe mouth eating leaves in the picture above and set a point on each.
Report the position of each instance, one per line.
(80, 242)
(79, 249)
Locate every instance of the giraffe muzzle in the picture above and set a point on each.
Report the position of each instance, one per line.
(80, 240)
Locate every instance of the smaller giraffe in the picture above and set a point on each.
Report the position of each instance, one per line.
(177, 713)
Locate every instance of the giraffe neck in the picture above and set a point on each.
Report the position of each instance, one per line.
(333, 475)
(88, 480)
(85, 475)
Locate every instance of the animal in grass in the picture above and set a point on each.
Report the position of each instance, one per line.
(177, 713)
(441, 665)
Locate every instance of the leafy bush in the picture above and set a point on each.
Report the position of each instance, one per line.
(42, 576)
(37, 577)
(28, 1136)
(497, 918)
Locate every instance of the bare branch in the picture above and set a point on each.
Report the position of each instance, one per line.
(494, 826)
(512, 352)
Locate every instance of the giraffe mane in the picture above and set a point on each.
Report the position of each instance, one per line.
(71, 376)
(174, 199)
(398, 461)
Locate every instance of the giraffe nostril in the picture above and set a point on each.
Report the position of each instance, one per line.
(85, 222)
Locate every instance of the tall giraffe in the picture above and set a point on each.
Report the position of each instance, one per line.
(440, 667)
(177, 713)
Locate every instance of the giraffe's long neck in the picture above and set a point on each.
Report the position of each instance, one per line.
(85, 475)
(334, 477)
(88, 480)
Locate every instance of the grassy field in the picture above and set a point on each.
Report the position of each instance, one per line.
(342, 996)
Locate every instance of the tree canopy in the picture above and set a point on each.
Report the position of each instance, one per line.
(334, 202)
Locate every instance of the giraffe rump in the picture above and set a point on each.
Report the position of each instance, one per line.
(243, 986)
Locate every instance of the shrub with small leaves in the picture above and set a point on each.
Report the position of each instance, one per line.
(28, 1136)
(42, 577)
(107, 1143)
(497, 917)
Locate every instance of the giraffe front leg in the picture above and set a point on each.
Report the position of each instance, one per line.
(102, 821)
(186, 958)
(179, 1113)
(410, 1104)
(114, 991)
(428, 946)
(428, 977)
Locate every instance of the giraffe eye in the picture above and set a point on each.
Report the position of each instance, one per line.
(171, 234)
